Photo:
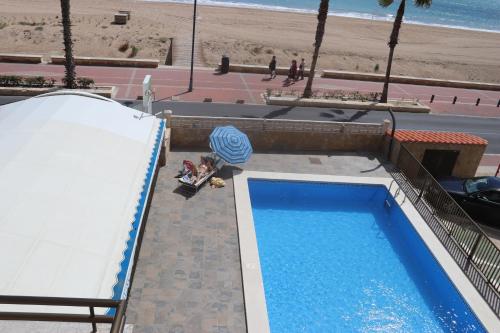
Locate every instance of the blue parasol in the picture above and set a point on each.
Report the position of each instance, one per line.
(230, 144)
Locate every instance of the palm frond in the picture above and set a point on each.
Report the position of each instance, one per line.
(422, 3)
(385, 3)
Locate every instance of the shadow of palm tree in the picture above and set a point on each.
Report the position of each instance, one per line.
(326, 115)
(357, 115)
(279, 112)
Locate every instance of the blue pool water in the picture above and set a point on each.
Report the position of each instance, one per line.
(335, 258)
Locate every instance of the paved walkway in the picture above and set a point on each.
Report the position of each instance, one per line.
(172, 82)
(188, 276)
(182, 51)
(489, 165)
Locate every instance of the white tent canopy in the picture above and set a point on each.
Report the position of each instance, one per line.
(72, 171)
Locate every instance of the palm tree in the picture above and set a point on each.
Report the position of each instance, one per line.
(394, 37)
(320, 31)
(70, 75)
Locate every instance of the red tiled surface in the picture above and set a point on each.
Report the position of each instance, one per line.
(439, 137)
(173, 82)
(490, 160)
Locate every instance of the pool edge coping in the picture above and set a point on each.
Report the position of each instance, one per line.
(253, 287)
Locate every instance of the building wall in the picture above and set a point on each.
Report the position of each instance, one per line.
(281, 135)
(467, 162)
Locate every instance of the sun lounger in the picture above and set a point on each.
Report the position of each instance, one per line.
(194, 187)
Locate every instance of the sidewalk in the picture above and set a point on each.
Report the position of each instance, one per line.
(170, 83)
(488, 165)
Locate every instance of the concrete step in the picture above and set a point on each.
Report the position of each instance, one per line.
(182, 51)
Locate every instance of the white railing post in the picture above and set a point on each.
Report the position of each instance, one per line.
(147, 95)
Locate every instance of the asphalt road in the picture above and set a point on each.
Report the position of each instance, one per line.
(487, 128)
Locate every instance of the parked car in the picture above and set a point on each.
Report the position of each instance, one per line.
(479, 197)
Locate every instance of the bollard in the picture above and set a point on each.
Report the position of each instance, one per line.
(432, 98)
(477, 102)
(454, 100)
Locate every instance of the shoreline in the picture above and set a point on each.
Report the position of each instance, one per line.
(352, 15)
(248, 36)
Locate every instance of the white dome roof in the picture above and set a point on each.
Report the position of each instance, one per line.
(72, 170)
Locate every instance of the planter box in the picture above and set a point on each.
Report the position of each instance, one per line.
(396, 105)
(410, 80)
(22, 91)
(105, 91)
(113, 62)
(21, 58)
(259, 69)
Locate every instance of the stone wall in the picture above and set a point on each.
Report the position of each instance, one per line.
(342, 75)
(280, 135)
(116, 62)
(21, 58)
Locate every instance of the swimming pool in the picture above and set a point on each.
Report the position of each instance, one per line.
(336, 257)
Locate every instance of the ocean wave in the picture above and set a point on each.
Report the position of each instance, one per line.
(350, 14)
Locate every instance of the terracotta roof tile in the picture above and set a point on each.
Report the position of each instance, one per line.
(438, 137)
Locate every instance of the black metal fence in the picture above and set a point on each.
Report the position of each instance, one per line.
(469, 246)
(117, 321)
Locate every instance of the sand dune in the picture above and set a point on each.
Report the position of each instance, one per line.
(249, 36)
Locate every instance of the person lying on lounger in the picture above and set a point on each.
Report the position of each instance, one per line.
(188, 168)
(204, 168)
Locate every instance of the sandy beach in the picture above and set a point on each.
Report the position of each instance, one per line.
(248, 36)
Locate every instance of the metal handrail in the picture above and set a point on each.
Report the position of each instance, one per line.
(116, 321)
(465, 240)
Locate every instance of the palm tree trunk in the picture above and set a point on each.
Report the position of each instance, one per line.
(68, 45)
(320, 31)
(392, 45)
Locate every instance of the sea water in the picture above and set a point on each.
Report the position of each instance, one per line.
(463, 14)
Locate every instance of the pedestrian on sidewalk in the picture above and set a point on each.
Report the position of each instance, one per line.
(292, 72)
(272, 67)
(300, 73)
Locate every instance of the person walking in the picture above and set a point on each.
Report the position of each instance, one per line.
(292, 72)
(272, 67)
(302, 66)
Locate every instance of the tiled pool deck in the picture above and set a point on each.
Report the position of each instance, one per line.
(188, 276)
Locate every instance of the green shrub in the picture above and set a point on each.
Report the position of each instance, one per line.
(2, 25)
(50, 82)
(85, 82)
(10, 80)
(376, 68)
(34, 81)
(133, 51)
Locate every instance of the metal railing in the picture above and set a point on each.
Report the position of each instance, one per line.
(473, 251)
(117, 320)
